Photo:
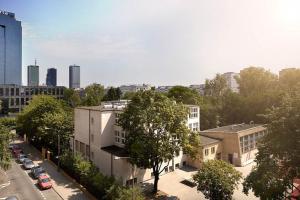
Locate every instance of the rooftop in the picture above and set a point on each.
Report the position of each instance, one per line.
(234, 128)
(108, 105)
(116, 151)
(204, 140)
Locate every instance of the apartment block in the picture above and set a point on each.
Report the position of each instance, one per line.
(15, 97)
(238, 142)
(99, 139)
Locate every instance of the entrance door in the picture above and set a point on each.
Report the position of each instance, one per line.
(230, 158)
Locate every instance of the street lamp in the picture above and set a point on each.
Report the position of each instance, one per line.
(58, 149)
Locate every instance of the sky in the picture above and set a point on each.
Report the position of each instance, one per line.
(157, 42)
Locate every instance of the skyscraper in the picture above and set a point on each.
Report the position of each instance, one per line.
(33, 75)
(51, 77)
(74, 76)
(10, 49)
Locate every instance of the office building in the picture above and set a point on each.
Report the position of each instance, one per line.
(10, 49)
(231, 81)
(15, 97)
(51, 79)
(99, 139)
(134, 88)
(237, 143)
(74, 76)
(33, 75)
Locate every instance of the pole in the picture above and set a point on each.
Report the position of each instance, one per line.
(58, 151)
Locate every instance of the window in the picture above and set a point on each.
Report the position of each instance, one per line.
(131, 182)
(87, 150)
(1, 91)
(212, 150)
(76, 145)
(193, 112)
(17, 92)
(92, 155)
(195, 126)
(92, 120)
(12, 92)
(206, 152)
(82, 150)
(92, 137)
(117, 116)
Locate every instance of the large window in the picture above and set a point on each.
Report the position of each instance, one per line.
(120, 137)
(206, 152)
(249, 142)
(193, 112)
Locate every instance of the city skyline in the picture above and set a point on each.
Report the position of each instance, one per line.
(158, 43)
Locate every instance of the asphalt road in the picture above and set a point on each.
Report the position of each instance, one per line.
(24, 187)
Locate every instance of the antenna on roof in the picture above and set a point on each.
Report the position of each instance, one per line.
(35, 61)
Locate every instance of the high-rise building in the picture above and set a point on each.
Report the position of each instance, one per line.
(10, 49)
(51, 77)
(231, 81)
(32, 75)
(74, 76)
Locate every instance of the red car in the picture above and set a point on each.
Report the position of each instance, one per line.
(16, 151)
(44, 181)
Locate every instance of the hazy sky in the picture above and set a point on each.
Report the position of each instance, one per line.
(160, 42)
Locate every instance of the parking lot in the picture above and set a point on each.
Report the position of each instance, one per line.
(171, 184)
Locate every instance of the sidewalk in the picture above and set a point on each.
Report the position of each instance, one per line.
(62, 184)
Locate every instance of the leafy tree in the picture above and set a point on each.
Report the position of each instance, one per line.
(184, 95)
(43, 119)
(117, 192)
(113, 94)
(216, 87)
(72, 97)
(128, 95)
(5, 155)
(289, 79)
(93, 95)
(156, 130)
(9, 122)
(278, 153)
(217, 179)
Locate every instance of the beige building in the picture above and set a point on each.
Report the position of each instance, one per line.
(238, 142)
(99, 139)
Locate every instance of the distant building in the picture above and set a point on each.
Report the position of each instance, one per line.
(15, 97)
(10, 49)
(74, 76)
(33, 75)
(237, 143)
(98, 138)
(231, 81)
(51, 79)
(134, 88)
(199, 88)
(163, 88)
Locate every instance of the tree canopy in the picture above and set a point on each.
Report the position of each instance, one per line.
(184, 95)
(94, 94)
(217, 179)
(112, 94)
(156, 130)
(5, 154)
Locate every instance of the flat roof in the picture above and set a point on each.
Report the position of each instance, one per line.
(205, 140)
(233, 128)
(116, 151)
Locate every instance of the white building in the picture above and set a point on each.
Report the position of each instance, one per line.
(99, 139)
(231, 81)
(134, 88)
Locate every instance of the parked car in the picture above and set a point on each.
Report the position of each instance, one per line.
(12, 198)
(36, 171)
(17, 150)
(28, 164)
(21, 157)
(44, 181)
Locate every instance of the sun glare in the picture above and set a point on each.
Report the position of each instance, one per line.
(289, 13)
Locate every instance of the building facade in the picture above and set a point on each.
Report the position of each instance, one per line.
(15, 97)
(238, 141)
(33, 75)
(231, 81)
(134, 88)
(98, 138)
(51, 79)
(10, 49)
(74, 76)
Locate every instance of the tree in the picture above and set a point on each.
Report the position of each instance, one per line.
(156, 130)
(289, 79)
(72, 97)
(217, 179)
(278, 155)
(216, 87)
(113, 94)
(117, 192)
(93, 95)
(43, 119)
(5, 154)
(128, 95)
(184, 95)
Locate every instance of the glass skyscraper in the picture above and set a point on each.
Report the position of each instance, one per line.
(51, 77)
(33, 75)
(10, 49)
(74, 76)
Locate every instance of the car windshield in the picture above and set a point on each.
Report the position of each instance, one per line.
(45, 180)
(29, 162)
(39, 170)
(23, 156)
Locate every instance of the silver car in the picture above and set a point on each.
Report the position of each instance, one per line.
(28, 164)
(22, 157)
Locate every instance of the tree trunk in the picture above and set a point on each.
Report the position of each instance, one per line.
(156, 177)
